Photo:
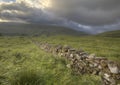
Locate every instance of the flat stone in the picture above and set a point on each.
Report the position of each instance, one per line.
(113, 67)
(68, 66)
(100, 67)
(100, 58)
(72, 50)
(95, 64)
(78, 57)
(107, 76)
(91, 56)
(71, 55)
(91, 65)
(103, 63)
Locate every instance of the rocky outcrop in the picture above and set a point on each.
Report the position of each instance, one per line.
(84, 63)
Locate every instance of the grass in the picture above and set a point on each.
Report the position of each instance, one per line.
(23, 63)
(115, 34)
(102, 46)
(28, 77)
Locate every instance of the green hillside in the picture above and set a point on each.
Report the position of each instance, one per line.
(111, 34)
(36, 29)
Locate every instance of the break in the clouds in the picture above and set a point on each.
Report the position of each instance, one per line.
(93, 16)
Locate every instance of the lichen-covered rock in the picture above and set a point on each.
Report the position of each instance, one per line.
(100, 58)
(66, 48)
(68, 66)
(113, 67)
(91, 56)
(71, 50)
(78, 56)
(104, 64)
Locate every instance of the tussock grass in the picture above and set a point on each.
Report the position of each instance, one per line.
(23, 63)
(28, 77)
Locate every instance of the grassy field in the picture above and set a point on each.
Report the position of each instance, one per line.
(101, 46)
(113, 34)
(23, 63)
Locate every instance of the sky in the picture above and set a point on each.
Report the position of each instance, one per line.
(93, 16)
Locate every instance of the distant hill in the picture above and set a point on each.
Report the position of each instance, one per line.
(110, 34)
(36, 29)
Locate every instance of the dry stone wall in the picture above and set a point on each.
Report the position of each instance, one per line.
(84, 63)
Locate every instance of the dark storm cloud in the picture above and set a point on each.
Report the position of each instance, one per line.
(93, 12)
(87, 12)
(93, 16)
